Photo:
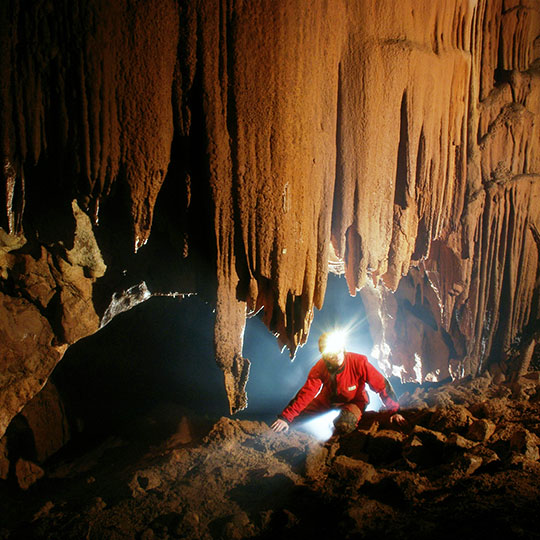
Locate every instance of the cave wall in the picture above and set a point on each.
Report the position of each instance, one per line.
(231, 149)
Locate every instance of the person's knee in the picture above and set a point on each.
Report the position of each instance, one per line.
(345, 422)
(354, 409)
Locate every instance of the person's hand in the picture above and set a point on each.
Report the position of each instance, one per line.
(398, 419)
(280, 425)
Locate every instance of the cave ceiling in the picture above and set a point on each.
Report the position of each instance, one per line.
(241, 150)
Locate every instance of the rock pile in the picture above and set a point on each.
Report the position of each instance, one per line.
(466, 463)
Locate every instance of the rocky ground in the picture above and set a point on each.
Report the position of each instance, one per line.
(466, 465)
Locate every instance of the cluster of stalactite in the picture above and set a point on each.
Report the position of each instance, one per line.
(229, 148)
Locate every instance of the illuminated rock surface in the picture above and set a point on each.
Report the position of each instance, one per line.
(436, 477)
(232, 149)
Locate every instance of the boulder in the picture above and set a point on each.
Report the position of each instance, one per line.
(315, 465)
(415, 453)
(493, 409)
(456, 441)
(364, 512)
(489, 457)
(467, 464)
(439, 398)
(481, 430)
(525, 443)
(385, 446)
(143, 481)
(399, 487)
(238, 526)
(46, 418)
(430, 437)
(354, 471)
(27, 473)
(424, 447)
(457, 418)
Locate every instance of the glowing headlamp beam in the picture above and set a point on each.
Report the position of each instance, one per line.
(334, 343)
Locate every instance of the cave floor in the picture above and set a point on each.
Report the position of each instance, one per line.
(172, 475)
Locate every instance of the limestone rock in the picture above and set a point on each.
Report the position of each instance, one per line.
(144, 481)
(27, 473)
(467, 464)
(29, 355)
(526, 443)
(247, 485)
(456, 418)
(399, 488)
(385, 446)
(316, 465)
(4, 461)
(457, 441)
(429, 436)
(356, 471)
(47, 421)
(238, 526)
(489, 457)
(415, 452)
(481, 430)
(493, 409)
(360, 512)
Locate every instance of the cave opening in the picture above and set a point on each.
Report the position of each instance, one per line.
(161, 351)
(274, 378)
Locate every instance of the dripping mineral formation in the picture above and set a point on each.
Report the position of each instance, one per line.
(240, 150)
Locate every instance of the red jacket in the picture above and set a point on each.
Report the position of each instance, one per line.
(347, 387)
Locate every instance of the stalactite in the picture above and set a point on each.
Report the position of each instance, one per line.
(402, 138)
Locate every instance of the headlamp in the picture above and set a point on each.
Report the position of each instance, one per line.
(334, 343)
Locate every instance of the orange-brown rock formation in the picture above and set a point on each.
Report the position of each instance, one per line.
(222, 147)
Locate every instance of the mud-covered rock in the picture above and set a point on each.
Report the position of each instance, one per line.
(353, 471)
(424, 447)
(27, 473)
(316, 463)
(368, 515)
(457, 441)
(247, 482)
(384, 446)
(467, 464)
(439, 398)
(494, 409)
(481, 430)
(455, 418)
(430, 437)
(489, 457)
(238, 526)
(46, 419)
(416, 453)
(526, 443)
(144, 481)
(398, 488)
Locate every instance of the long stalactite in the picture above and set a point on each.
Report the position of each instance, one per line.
(399, 139)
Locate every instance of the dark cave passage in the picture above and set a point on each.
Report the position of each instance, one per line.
(159, 351)
(162, 351)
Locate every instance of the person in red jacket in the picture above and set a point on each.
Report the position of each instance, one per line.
(338, 380)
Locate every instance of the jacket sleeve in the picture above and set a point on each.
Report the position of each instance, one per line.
(380, 384)
(304, 396)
